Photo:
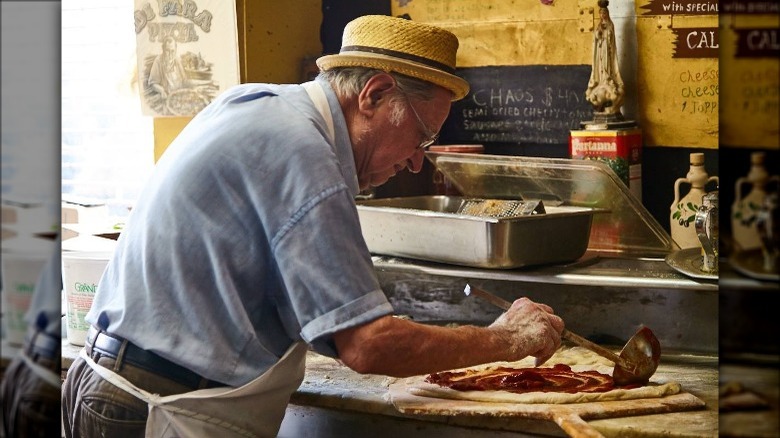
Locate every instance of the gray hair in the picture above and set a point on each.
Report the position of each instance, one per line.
(349, 81)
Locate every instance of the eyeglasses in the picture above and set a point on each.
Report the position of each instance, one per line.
(430, 136)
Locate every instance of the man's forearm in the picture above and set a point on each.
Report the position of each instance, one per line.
(400, 348)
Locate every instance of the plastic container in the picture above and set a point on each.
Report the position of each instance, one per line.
(628, 229)
(23, 259)
(441, 184)
(84, 259)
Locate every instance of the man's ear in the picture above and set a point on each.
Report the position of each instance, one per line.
(376, 90)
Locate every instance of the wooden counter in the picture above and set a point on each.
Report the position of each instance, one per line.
(763, 381)
(332, 386)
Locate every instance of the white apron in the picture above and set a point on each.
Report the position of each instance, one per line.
(253, 410)
(43, 373)
(317, 96)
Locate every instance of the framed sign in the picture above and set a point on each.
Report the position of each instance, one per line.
(187, 53)
(522, 104)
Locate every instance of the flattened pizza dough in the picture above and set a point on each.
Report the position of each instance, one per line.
(579, 359)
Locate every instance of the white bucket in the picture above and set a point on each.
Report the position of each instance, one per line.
(81, 272)
(23, 260)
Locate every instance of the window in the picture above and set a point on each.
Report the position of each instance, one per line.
(107, 144)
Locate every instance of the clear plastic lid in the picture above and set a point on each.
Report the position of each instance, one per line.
(626, 227)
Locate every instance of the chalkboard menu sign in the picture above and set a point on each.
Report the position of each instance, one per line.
(524, 104)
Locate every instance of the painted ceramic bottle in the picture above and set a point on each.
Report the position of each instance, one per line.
(745, 209)
(684, 208)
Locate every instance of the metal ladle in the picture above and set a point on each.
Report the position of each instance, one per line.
(636, 363)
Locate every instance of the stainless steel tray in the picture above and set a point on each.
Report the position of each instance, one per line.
(429, 228)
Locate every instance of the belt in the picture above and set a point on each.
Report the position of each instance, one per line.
(44, 349)
(105, 344)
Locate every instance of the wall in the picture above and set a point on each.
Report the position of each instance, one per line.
(273, 38)
(276, 36)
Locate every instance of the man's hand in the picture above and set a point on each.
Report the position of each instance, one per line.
(531, 329)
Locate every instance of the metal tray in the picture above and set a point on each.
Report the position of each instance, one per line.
(429, 228)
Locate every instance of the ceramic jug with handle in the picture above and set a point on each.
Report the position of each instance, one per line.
(684, 208)
(747, 204)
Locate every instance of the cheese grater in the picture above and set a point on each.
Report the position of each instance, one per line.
(500, 208)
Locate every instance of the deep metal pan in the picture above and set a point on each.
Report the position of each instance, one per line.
(430, 228)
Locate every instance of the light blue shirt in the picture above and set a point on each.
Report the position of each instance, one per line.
(245, 240)
(45, 311)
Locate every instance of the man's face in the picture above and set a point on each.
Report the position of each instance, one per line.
(397, 138)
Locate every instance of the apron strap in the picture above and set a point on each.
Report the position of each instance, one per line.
(155, 400)
(317, 96)
(44, 373)
(120, 382)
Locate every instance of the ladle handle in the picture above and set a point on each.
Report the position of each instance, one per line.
(596, 348)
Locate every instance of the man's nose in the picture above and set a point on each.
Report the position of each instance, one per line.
(415, 163)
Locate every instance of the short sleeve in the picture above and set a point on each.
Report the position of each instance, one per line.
(327, 270)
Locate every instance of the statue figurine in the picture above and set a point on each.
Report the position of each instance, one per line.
(605, 87)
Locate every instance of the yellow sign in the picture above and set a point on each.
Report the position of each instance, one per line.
(677, 73)
(496, 32)
(750, 75)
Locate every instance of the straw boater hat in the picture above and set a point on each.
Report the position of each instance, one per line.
(403, 46)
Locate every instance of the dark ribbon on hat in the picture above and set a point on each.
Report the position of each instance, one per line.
(402, 55)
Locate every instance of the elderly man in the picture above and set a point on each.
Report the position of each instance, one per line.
(245, 250)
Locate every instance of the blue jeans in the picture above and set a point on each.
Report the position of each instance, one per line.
(94, 407)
